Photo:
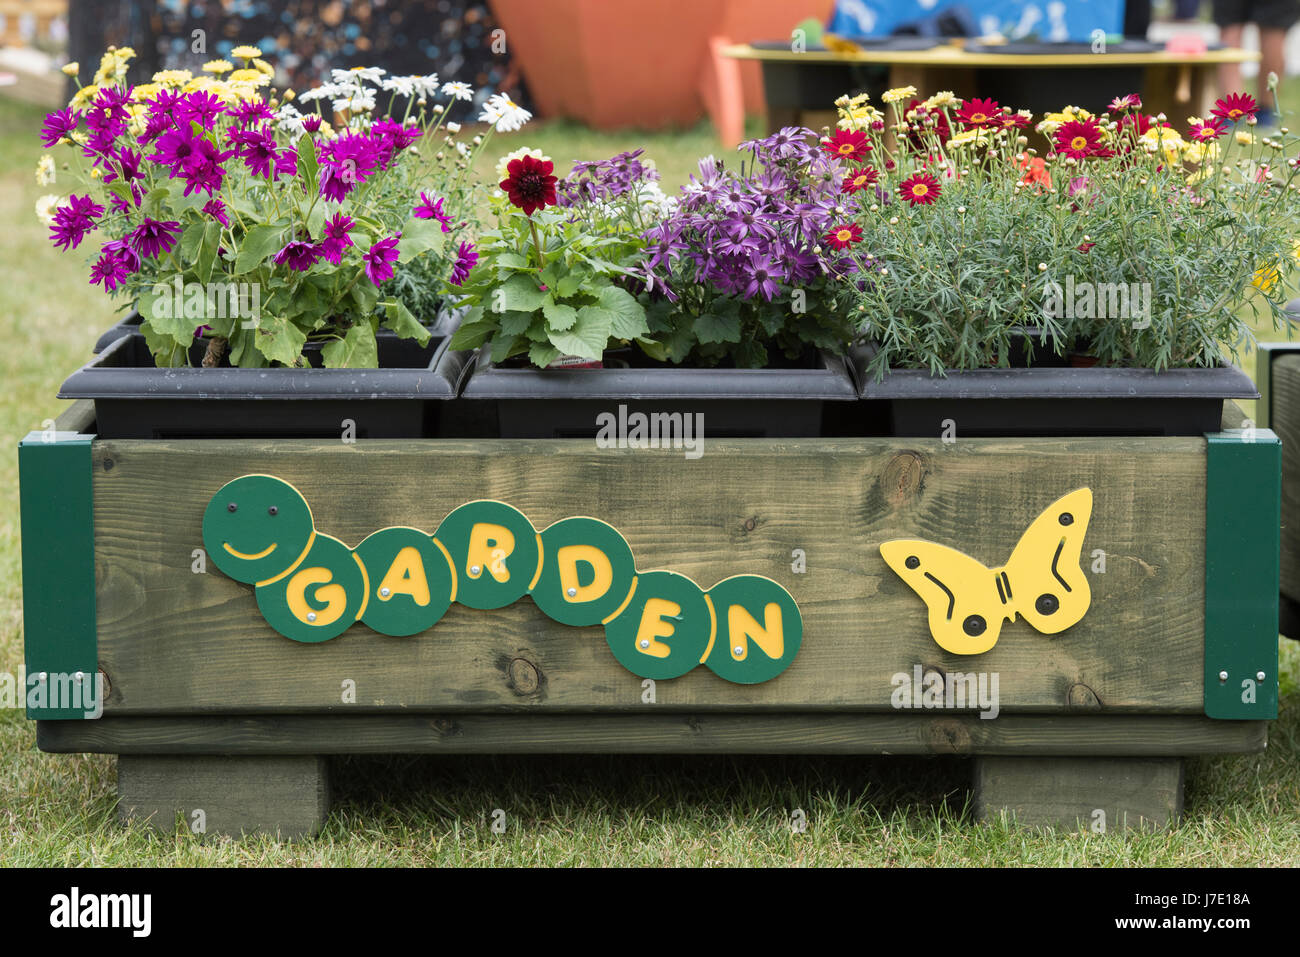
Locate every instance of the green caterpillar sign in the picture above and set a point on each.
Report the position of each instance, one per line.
(400, 581)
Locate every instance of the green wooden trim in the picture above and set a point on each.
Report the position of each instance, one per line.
(58, 550)
(654, 733)
(1264, 356)
(1243, 495)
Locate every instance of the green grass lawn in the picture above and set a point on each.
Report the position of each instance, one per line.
(59, 809)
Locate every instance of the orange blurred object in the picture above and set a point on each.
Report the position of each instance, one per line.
(615, 64)
(1187, 44)
(1036, 173)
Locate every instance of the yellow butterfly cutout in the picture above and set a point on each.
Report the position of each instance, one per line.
(1043, 580)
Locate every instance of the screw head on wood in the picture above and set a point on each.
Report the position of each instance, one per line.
(1259, 676)
(385, 592)
(79, 677)
(738, 650)
(1223, 676)
(311, 616)
(645, 642)
(43, 676)
(572, 592)
(475, 570)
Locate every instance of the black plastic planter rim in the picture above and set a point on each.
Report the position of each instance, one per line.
(832, 381)
(100, 379)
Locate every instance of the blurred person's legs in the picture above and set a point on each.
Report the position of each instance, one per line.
(1274, 18)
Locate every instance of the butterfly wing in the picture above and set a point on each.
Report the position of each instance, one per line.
(966, 612)
(1050, 587)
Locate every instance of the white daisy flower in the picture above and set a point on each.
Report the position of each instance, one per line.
(504, 114)
(462, 149)
(357, 74)
(458, 90)
(451, 128)
(360, 101)
(426, 85)
(45, 170)
(401, 85)
(289, 120)
(46, 205)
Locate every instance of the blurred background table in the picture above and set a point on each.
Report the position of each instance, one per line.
(799, 83)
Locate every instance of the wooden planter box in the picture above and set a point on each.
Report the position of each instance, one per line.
(210, 708)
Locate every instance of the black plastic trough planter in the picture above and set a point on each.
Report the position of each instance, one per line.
(1052, 401)
(403, 398)
(736, 403)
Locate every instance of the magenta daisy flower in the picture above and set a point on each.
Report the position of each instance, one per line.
(466, 260)
(73, 220)
(432, 209)
(346, 161)
(257, 148)
(202, 169)
(112, 269)
(298, 255)
(1078, 139)
(59, 124)
(249, 112)
(380, 257)
(172, 149)
(1235, 106)
(1209, 130)
(311, 123)
(200, 107)
(336, 238)
(217, 210)
(1129, 101)
(152, 237)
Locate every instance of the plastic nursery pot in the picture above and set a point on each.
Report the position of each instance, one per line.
(404, 398)
(736, 403)
(1048, 401)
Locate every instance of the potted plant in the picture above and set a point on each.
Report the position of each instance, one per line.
(283, 264)
(1126, 254)
(719, 301)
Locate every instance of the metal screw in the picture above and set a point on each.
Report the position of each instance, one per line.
(1259, 676)
(475, 570)
(42, 676)
(384, 592)
(645, 642)
(738, 650)
(573, 592)
(1223, 676)
(79, 677)
(311, 616)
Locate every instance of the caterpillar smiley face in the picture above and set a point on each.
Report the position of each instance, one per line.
(256, 527)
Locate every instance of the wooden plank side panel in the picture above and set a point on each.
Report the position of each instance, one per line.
(1285, 422)
(172, 641)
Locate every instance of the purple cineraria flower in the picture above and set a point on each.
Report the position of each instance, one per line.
(298, 255)
(217, 210)
(161, 114)
(172, 149)
(763, 276)
(199, 107)
(799, 265)
(152, 238)
(123, 251)
(59, 124)
(73, 220)
(432, 209)
(311, 123)
(112, 268)
(336, 238)
(257, 148)
(608, 179)
(466, 260)
(346, 161)
(380, 257)
(202, 169)
(250, 112)
(390, 138)
(748, 223)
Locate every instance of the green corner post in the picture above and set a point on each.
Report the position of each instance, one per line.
(58, 551)
(1243, 495)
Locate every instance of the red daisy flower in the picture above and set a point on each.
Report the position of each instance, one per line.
(1078, 139)
(530, 184)
(976, 113)
(1014, 121)
(848, 145)
(1209, 130)
(1130, 101)
(1235, 106)
(920, 188)
(843, 236)
(860, 178)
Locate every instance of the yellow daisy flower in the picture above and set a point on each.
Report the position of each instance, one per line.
(263, 67)
(898, 93)
(173, 77)
(71, 69)
(217, 66)
(250, 76)
(246, 52)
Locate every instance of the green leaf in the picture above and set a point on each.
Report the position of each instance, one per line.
(589, 335)
(168, 350)
(419, 236)
(503, 347)
(400, 320)
(356, 350)
(259, 243)
(519, 292)
(121, 190)
(629, 315)
(208, 250)
(473, 334)
(153, 200)
(542, 354)
(190, 239)
(516, 323)
(307, 168)
(511, 260)
(655, 350)
(279, 339)
(716, 328)
(559, 316)
(571, 282)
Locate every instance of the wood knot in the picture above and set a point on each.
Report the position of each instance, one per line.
(445, 727)
(947, 736)
(523, 676)
(751, 523)
(903, 478)
(1081, 697)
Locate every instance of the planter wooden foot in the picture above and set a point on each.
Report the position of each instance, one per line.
(1101, 794)
(287, 797)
